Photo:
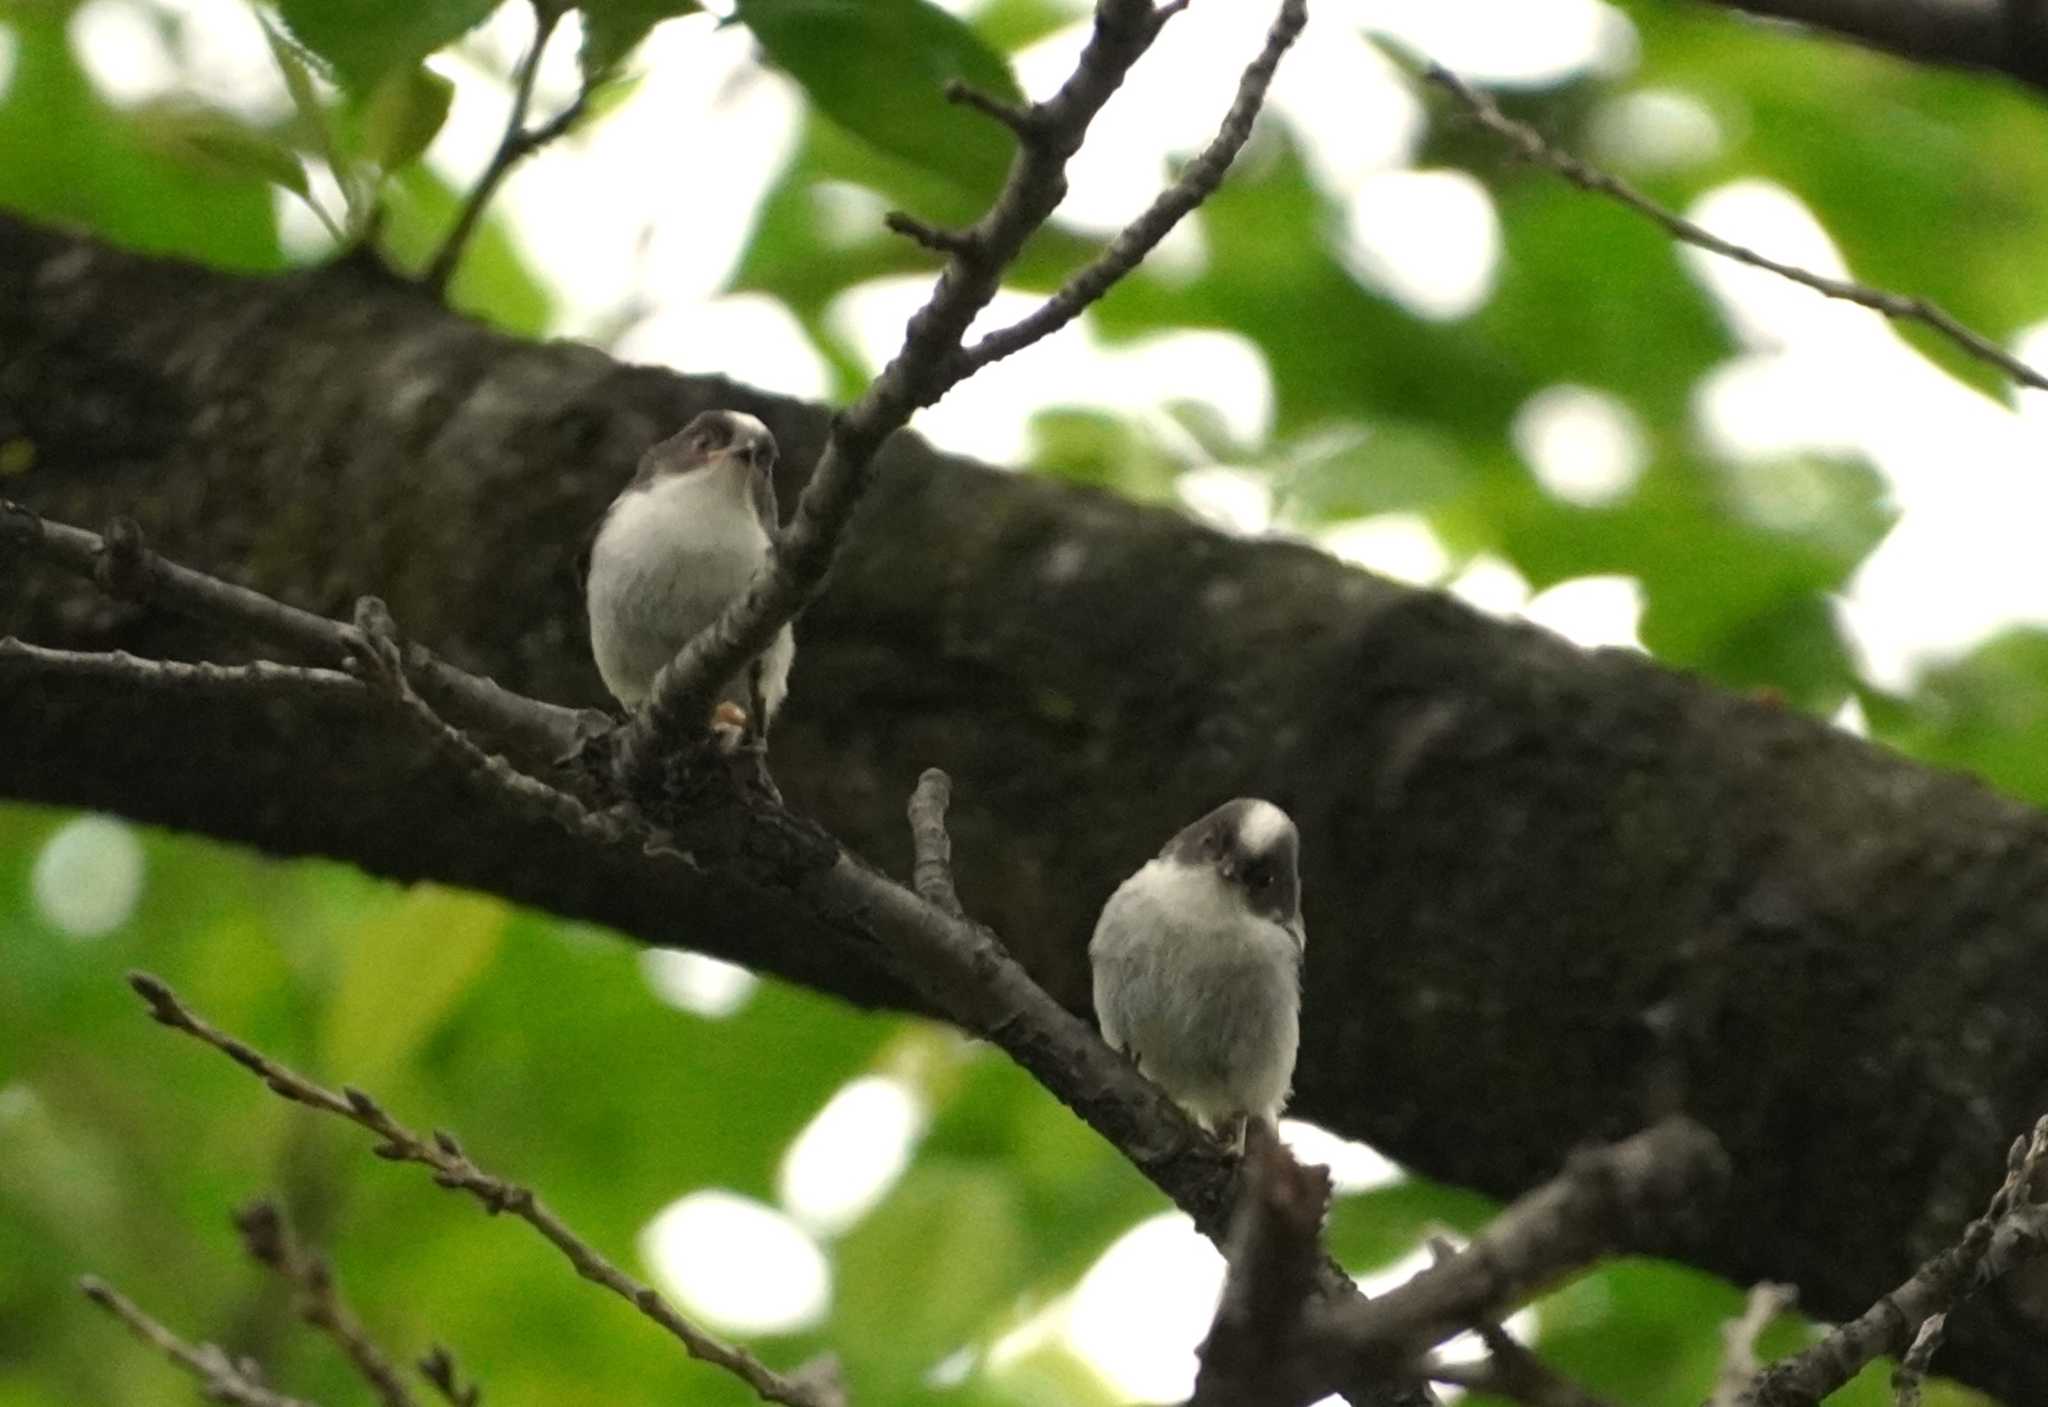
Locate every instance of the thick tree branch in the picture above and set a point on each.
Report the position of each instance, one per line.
(930, 361)
(2001, 36)
(1091, 672)
(452, 1168)
(221, 1378)
(1531, 145)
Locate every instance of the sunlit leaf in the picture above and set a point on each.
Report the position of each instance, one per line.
(404, 112)
(879, 68)
(365, 39)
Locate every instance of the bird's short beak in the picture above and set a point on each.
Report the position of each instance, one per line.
(1227, 868)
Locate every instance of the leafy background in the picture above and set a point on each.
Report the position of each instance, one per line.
(544, 1044)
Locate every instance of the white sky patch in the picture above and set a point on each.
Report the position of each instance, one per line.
(1851, 719)
(1343, 101)
(123, 51)
(644, 205)
(749, 337)
(1354, 1167)
(692, 982)
(1428, 239)
(1584, 446)
(1591, 611)
(1236, 500)
(850, 1155)
(89, 876)
(1654, 129)
(739, 1266)
(1140, 1310)
(1765, 309)
(990, 415)
(1491, 584)
(226, 60)
(1532, 43)
(1398, 545)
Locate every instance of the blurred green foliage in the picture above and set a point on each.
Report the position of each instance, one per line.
(123, 1149)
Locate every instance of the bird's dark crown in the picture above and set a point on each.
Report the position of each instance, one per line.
(713, 435)
(1254, 846)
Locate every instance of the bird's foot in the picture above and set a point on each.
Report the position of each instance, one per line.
(729, 726)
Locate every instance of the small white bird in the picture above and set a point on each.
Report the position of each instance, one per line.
(1197, 963)
(677, 544)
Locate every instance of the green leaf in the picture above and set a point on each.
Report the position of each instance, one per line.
(221, 142)
(613, 29)
(404, 113)
(879, 68)
(493, 280)
(365, 39)
(402, 970)
(926, 1272)
(1379, 1227)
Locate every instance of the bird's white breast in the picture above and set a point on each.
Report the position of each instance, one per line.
(666, 561)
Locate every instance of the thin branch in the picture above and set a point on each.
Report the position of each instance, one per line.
(1532, 146)
(1273, 1249)
(2012, 1231)
(452, 1168)
(1510, 1370)
(126, 567)
(1633, 1195)
(932, 871)
(221, 1378)
(437, 1366)
(1196, 184)
(1910, 1377)
(518, 143)
(1739, 1365)
(269, 1240)
(929, 363)
(120, 667)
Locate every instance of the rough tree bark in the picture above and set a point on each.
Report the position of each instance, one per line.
(1551, 891)
(1999, 36)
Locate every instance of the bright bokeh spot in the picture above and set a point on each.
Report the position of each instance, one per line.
(121, 49)
(10, 51)
(1591, 611)
(1398, 545)
(1236, 500)
(1491, 584)
(89, 876)
(1584, 446)
(738, 1265)
(749, 337)
(1140, 1310)
(1534, 43)
(1654, 129)
(1354, 1166)
(850, 1155)
(703, 986)
(1428, 239)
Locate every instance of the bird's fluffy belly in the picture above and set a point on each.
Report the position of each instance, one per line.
(664, 565)
(1203, 995)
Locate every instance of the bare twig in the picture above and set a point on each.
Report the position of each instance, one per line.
(1273, 1249)
(118, 666)
(518, 143)
(1910, 1377)
(1739, 1365)
(1510, 1370)
(932, 871)
(269, 1240)
(2012, 1231)
(1533, 146)
(124, 565)
(1196, 184)
(1633, 1195)
(437, 1366)
(221, 1378)
(452, 1168)
(930, 361)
